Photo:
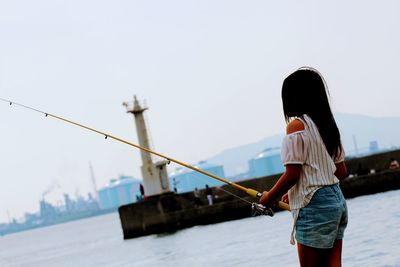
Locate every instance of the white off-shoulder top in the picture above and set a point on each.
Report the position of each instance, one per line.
(307, 148)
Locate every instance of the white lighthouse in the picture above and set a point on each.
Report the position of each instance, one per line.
(155, 176)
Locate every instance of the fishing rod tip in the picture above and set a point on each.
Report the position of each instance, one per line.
(106, 136)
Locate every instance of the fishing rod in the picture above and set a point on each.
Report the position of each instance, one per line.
(257, 208)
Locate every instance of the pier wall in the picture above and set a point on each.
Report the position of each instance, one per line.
(377, 162)
(171, 212)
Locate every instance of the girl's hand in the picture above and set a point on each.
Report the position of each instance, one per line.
(285, 198)
(266, 200)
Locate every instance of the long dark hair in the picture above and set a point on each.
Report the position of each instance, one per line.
(305, 92)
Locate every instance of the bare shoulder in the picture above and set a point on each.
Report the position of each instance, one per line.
(294, 126)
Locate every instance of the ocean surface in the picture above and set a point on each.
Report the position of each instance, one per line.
(371, 239)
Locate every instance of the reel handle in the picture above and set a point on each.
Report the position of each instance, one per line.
(258, 209)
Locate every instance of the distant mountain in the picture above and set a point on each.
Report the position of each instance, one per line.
(384, 130)
(357, 132)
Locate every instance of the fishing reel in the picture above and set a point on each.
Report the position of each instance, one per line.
(258, 209)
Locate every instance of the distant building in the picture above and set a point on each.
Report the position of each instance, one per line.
(267, 162)
(373, 147)
(47, 211)
(119, 192)
(186, 180)
(69, 204)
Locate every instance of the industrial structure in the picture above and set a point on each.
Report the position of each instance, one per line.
(186, 180)
(267, 162)
(118, 192)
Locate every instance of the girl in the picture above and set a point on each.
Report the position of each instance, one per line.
(314, 159)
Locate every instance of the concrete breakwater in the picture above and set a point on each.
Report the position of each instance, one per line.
(171, 212)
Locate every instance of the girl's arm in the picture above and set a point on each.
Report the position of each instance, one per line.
(285, 182)
(290, 176)
(341, 170)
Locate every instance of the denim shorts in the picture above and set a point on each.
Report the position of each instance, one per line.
(324, 219)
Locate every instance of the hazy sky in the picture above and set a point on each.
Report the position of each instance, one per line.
(210, 71)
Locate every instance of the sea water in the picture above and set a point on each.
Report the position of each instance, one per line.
(372, 238)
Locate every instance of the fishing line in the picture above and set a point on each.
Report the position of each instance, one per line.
(256, 209)
(230, 193)
(249, 191)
